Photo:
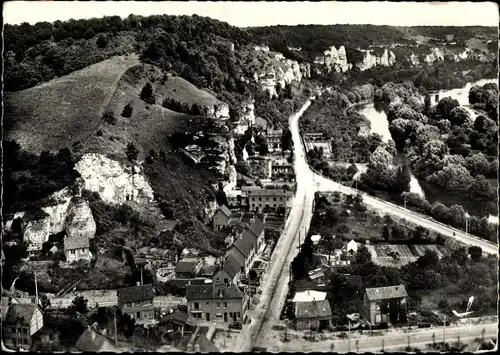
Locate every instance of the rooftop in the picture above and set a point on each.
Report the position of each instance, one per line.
(384, 293)
(270, 192)
(309, 296)
(246, 242)
(186, 266)
(91, 341)
(314, 309)
(202, 292)
(76, 243)
(256, 227)
(179, 317)
(225, 210)
(136, 293)
(231, 266)
(20, 313)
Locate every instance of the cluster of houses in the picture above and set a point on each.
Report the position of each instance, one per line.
(260, 200)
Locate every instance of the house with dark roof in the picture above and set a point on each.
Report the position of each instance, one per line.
(21, 322)
(243, 250)
(221, 218)
(314, 315)
(177, 321)
(91, 341)
(187, 268)
(77, 248)
(219, 303)
(257, 228)
(138, 302)
(227, 272)
(385, 304)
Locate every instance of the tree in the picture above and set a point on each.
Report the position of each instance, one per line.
(102, 40)
(475, 252)
(445, 106)
(398, 232)
(386, 233)
(44, 302)
(147, 94)
(286, 140)
(80, 305)
(363, 255)
(459, 116)
(460, 255)
(427, 103)
(132, 152)
(127, 110)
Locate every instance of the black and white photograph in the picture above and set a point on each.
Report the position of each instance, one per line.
(231, 176)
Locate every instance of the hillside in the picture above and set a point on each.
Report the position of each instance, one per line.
(65, 110)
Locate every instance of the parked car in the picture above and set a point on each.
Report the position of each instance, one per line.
(236, 325)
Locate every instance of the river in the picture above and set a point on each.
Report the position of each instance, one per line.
(378, 119)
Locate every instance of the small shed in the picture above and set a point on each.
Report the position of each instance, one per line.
(352, 247)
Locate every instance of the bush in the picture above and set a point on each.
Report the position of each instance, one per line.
(127, 111)
(110, 118)
(147, 94)
(99, 133)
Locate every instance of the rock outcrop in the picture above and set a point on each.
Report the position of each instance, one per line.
(436, 54)
(246, 117)
(370, 60)
(333, 60)
(113, 181)
(66, 213)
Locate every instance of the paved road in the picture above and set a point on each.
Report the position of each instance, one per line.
(394, 341)
(275, 284)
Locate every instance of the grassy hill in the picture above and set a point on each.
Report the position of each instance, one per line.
(65, 110)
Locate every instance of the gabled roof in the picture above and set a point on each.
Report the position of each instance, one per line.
(76, 243)
(202, 292)
(231, 265)
(225, 210)
(256, 227)
(136, 293)
(179, 317)
(91, 341)
(206, 346)
(20, 313)
(352, 245)
(270, 192)
(384, 293)
(314, 309)
(245, 243)
(186, 266)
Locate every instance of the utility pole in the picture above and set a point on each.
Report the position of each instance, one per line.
(444, 331)
(299, 238)
(408, 343)
(433, 340)
(404, 202)
(349, 337)
(116, 331)
(383, 343)
(142, 279)
(466, 224)
(357, 345)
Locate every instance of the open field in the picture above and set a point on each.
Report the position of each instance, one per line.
(65, 110)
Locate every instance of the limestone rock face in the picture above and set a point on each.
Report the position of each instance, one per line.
(68, 213)
(436, 54)
(247, 117)
(79, 219)
(334, 59)
(231, 183)
(387, 59)
(114, 182)
(219, 112)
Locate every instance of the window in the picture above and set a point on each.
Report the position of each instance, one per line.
(25, 331)
(225, 304)
(72, 252)
(281, 198)
(377, 306)
(207, 304)
(274, 198)
(83, 251)
(260, 198)
(226, 281)
(218, 304)
(148, 302)
(218, 316)
(138, 315)
(196, 305)
(238, 315)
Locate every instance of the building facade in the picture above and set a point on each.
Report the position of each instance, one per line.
(77, 248)
(383, 303)
(138, 302)
(270, 200)
(216, 303)
(21, 322)
(221, 218)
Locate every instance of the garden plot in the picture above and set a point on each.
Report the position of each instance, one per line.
(392, 255)
(420, 249)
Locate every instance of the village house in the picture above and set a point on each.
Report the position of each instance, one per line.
(380, 302)
(260, 167)
(188, 268)
(137, 301)
(234, 198)
(177, 321)
(91, 341)
(77, 248)
(257, 228)
(22, 321)
(219, 303)
(274, 139)
(270, 200)
(228, 272)
(221, 218)
(243, 250)
(312, 310)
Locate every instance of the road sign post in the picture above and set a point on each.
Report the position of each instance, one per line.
(408, 342)
(357, 345)
(433, 340)
(482, 334)
(383, 343)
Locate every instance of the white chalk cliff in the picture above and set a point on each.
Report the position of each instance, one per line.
(370, 60)
(113, 181)
(334, 60)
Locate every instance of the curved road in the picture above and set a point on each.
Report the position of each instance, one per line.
(275, 281)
